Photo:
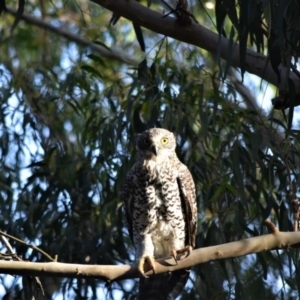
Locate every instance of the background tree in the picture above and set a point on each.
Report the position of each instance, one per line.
(73, 97)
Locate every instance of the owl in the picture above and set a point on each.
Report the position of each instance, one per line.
(160, 209)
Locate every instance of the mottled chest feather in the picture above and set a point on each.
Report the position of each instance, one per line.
(159, 170)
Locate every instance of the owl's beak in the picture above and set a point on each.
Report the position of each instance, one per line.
(154, 149)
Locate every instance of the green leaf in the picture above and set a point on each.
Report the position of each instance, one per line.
(97, 59)
(92, 71)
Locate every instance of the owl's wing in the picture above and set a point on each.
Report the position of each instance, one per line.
(127, 199)
(188, 199)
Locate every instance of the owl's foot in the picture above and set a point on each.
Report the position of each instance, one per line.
(148, 260)
(187, 249)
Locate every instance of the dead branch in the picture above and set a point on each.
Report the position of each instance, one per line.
(108, 273)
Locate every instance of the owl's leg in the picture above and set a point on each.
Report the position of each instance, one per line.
(187, 249)
(141, 263)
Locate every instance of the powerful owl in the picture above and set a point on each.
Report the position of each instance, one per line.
(160, 208)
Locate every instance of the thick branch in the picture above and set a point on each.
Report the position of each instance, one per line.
(281, 240)
(111, 54)
(194, 34)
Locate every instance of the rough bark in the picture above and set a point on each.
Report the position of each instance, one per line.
(199, 36)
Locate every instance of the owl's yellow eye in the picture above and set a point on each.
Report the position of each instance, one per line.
(146, 142)
(164, 141)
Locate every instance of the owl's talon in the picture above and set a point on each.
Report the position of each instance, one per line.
(187, 249)
(141, 264)
(174, 255)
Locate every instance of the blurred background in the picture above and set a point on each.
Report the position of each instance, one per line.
(74, 96)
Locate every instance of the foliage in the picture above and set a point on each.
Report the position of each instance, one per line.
(68, 124)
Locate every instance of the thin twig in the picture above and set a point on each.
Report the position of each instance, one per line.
(8, 256)
(271, 226)
(7, 244)
(27, 244)
(108, 53)
(181, 11)
(293, 199)
(10, 249)
(296, 210)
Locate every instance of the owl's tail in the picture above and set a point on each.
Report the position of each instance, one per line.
(166, 286)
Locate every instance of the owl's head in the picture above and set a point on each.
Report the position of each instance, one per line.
(156, 142)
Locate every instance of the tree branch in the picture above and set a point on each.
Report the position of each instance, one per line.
(197, 35)
(111, 54)
(4, 235)
(276, 240)
(11, 251)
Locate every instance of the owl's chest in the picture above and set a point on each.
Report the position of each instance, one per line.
(158, 199)
(160, 187)
(159, 171)
(156, 187)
